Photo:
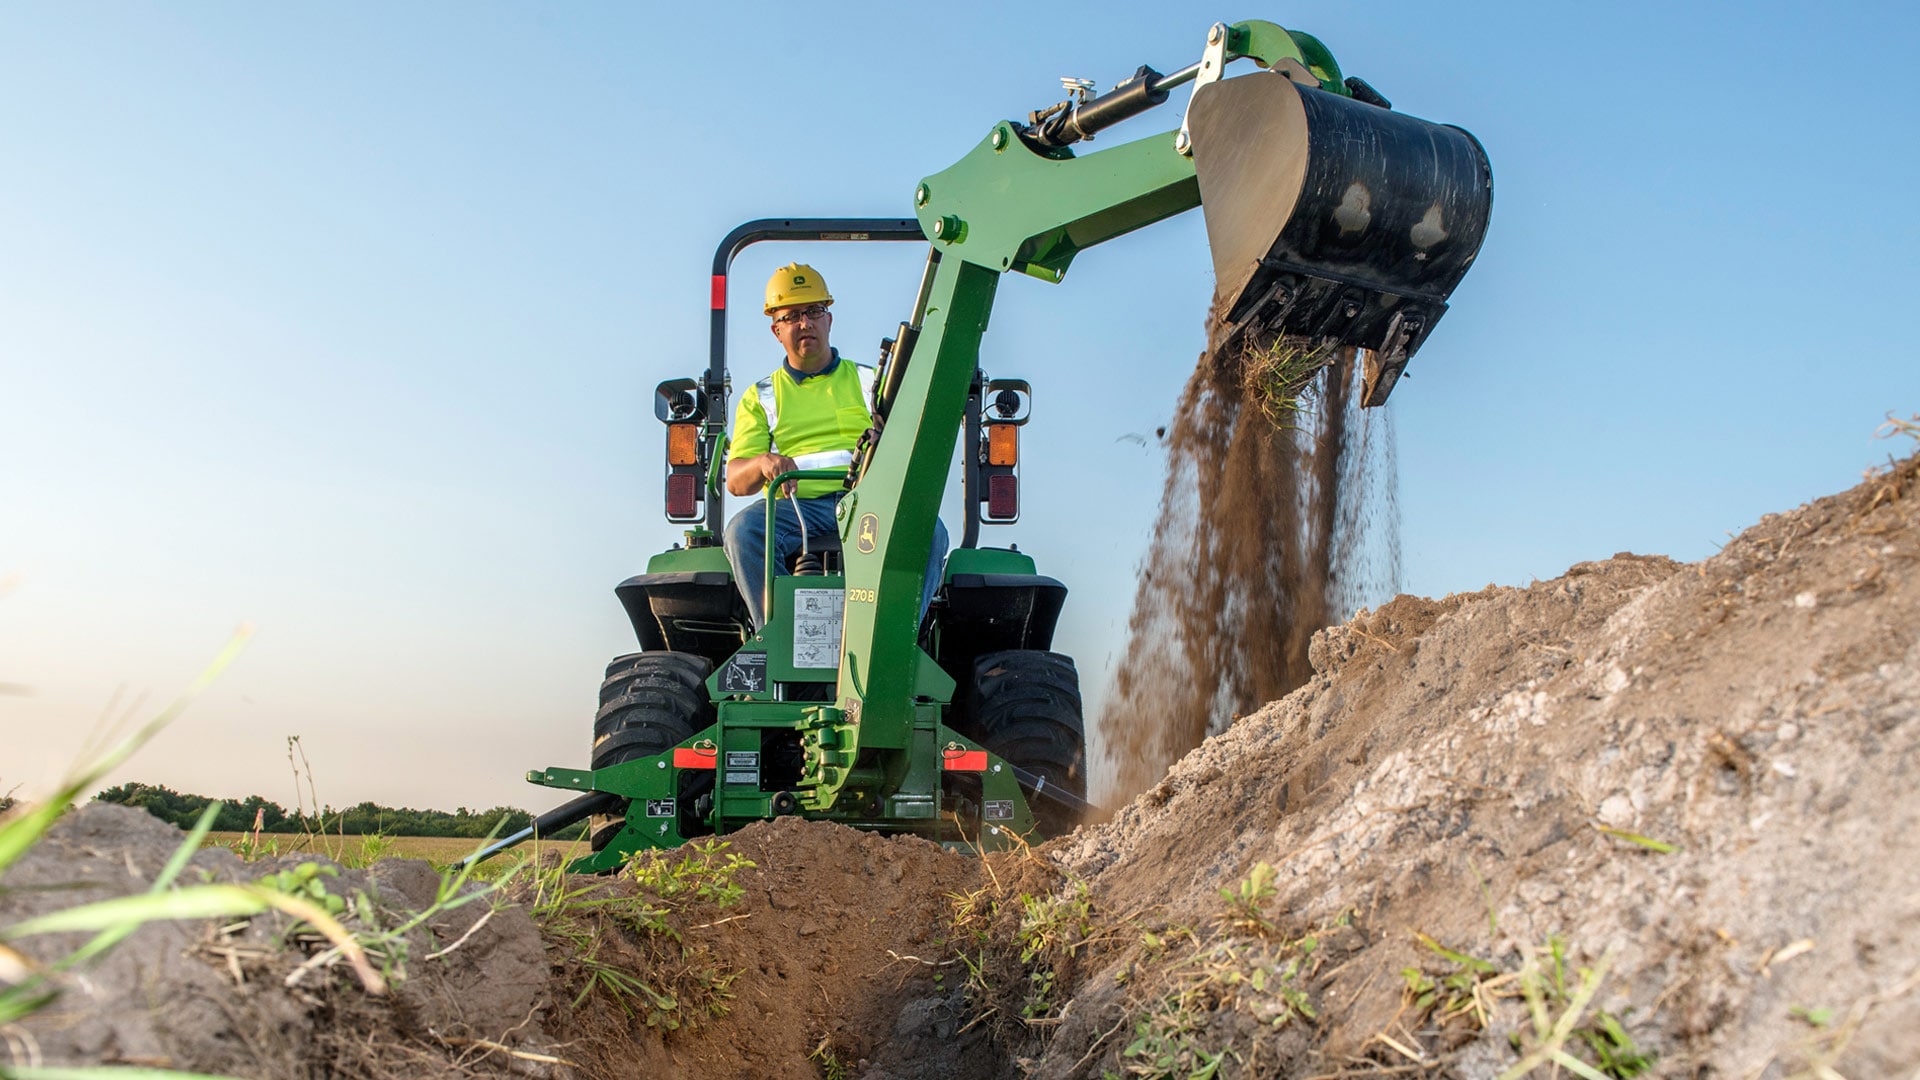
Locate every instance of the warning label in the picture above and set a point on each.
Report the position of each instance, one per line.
(816, 627)
(999, 809)
(746, 673)
(660, 807)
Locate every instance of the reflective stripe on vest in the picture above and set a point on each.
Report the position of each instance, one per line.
(825, 459)
(765, 389)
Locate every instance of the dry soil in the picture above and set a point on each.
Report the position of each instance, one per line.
(1694, 784)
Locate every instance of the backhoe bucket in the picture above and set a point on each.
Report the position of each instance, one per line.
(1334, 220)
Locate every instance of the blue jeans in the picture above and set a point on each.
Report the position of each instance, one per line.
(746, 546)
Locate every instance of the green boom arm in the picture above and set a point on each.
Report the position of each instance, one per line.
(1004, 207)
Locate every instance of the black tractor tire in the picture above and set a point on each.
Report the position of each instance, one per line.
(1024, 705)
(649, 702)
(686, 669)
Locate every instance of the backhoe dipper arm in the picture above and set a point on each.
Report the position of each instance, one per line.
(1008, 205)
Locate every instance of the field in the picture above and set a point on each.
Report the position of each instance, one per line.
(360, 850)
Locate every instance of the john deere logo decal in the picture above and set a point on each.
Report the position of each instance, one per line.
(799, 279)
(869, 528)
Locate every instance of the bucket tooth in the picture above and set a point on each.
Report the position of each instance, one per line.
(1334, 220)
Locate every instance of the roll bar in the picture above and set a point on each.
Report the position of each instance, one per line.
(754, 232)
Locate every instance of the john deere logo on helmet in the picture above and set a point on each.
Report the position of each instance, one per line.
(796, 284)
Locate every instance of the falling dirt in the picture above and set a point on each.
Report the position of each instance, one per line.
(1658, 819)
(1274, 522)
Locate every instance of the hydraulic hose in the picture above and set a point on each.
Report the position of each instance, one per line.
(593, 802)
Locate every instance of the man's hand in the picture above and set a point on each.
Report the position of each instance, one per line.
(748, 475)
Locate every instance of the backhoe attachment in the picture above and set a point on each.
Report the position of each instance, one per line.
(1333, 219)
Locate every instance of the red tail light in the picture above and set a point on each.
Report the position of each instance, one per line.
(1003, 497)
(683, 495)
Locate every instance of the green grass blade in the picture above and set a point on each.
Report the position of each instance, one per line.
(1578, 1067)
(198, 902)
(24, 1000)
(1472, 963)
(98, 1073)
(195, 837)
(1647, 842)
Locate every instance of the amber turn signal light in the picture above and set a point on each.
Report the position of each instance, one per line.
(1003, 444)
(683, 444)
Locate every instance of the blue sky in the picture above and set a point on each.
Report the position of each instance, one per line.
(343, 320)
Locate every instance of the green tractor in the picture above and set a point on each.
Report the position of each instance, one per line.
(1331, 218)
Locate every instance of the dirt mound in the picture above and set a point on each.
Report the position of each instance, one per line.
(1697, 778)
(787, 950)
(467, 985)
(1658, 819)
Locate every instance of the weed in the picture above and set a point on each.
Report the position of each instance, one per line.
(1459, 988)
(252, 848)
(1246, 901)
(305, 881)
(1451, 993)
(1055, 923)
(832, 1065)
(1050, 927)
(373, 848)
(671, 984)
(1262, 982)
(1547, 988)
(1893, 480)
(696, 870)
(1020, 947)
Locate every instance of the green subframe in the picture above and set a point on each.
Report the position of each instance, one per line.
(914, 808)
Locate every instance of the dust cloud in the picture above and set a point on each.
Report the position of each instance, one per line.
(1272, 525)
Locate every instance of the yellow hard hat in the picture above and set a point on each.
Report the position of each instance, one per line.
(796, 283)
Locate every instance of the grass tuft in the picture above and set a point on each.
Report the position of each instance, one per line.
(1279, 376)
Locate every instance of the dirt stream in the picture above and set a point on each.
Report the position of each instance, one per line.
(1278, 514)
(1700, 778)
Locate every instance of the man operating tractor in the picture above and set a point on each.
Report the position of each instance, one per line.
(835, 692)
(808, 414)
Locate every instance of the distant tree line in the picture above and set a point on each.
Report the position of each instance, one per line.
(365, 819)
